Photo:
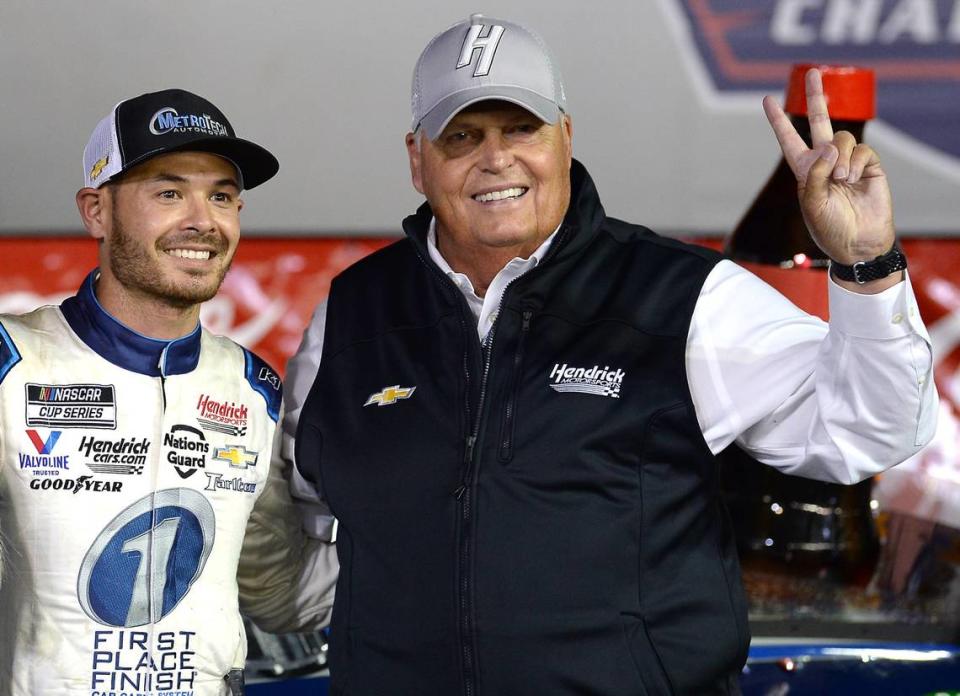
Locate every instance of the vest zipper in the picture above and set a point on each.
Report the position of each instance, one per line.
(506, 428)
(462, 493)
(465, 499)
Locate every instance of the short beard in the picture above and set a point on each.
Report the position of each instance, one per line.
(136, 270)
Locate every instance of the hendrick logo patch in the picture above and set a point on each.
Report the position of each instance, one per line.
(126, 456)
(601, 381)
(72, 406)
(225, 417)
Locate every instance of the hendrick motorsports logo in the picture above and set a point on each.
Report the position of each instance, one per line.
(167, 120)
(601, 381)
(71, 406)
(225, 417)
(188, 449)
(742, 47)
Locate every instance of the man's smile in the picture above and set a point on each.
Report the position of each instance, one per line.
(500, 194)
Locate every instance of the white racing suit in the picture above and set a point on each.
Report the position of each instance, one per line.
(129, 468)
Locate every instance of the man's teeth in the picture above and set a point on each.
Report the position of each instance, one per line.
(500, 195)
(189, 254)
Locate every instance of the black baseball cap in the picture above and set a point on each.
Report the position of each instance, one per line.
(173, 120)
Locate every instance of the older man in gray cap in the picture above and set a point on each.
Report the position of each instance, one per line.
(513, 413)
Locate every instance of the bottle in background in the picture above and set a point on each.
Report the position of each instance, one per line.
(787, 526)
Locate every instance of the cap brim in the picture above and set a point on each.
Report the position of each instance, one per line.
(255, 163)
(435, 120)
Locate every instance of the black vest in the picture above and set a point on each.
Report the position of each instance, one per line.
(540, 516)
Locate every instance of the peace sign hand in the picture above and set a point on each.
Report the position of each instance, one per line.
(844, 195)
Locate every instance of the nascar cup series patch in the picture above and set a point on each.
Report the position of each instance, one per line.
(71, 406)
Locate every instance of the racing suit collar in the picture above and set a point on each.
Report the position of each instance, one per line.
(123, 346)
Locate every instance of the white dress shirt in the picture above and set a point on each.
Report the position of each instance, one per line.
(836, 402)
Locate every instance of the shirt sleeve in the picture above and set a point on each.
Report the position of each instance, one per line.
(286, 578)
(835, 402)
(302, 368)
(289, 567)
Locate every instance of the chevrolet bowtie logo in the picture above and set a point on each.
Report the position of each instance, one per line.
(237, 456)
(98, 167)
(389, 395)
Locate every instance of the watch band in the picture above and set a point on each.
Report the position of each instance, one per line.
(864, 271)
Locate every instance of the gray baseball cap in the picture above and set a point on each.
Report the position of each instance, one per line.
(483, 58)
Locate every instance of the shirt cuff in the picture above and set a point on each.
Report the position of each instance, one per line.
(889, 314)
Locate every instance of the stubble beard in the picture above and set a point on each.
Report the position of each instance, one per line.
(139, 272)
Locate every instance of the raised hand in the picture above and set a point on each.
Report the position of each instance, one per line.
(844, 195)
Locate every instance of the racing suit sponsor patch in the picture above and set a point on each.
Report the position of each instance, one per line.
(44, 462)
(187, 449)
(225, 417)
(71, 406)
(218, 482)
(125, 456)
(81, 484)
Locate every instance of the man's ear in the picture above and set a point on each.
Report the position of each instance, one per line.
(413, 153)
(93, 206)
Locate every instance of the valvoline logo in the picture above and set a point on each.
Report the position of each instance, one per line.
(44, 446)
(913, 46)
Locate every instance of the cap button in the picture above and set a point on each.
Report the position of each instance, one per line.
(476, 18)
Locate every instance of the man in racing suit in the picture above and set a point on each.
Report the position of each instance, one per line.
(134, 445)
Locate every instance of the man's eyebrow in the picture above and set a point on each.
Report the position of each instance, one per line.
(173, 178)
(177, 179)
(228, 181)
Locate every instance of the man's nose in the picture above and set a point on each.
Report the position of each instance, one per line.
(496, 153)
(199, 213)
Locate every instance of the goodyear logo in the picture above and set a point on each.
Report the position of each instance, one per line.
(748, 46)
(389, 395)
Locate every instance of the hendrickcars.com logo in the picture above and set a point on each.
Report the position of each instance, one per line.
(748, 46)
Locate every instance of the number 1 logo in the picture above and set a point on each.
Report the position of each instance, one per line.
(147, 558)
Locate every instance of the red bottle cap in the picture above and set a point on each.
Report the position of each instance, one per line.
(850, 91)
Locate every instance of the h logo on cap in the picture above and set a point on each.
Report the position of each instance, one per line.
(487, 46)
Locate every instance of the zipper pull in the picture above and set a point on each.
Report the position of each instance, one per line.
(527, 315)
(467, 460)
(468, 452)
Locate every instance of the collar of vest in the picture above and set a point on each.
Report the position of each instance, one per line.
(123, 346)
(580, 223)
